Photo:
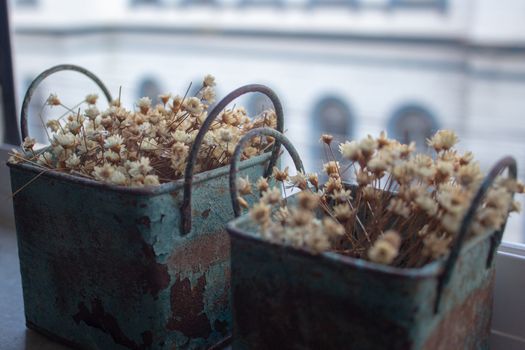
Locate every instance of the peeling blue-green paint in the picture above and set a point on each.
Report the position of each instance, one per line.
(107, 267)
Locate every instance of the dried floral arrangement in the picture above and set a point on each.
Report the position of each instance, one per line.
(143, 147)
(404, 208)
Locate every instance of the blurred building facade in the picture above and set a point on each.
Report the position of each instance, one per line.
(348, 67)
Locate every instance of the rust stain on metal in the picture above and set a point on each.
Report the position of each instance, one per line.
(145, 221)
(206, 213)
(455, 330)
(201, 252)
(154, 275)
(187, 306)
(107, 323)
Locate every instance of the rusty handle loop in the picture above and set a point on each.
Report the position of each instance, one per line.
(36, 82)
(192, 158)
(234, 166)
(444, 278)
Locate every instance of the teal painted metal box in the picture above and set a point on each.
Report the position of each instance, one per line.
(287, 298)
(107, 267)
(110, 267)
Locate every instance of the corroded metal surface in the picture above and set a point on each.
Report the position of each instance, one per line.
(112, 267)
(107, 268)
(192, 158)
(286, 298)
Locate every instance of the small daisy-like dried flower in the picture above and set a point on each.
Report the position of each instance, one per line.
(435, 246)
(118, 178)
(333, 185)
(327, 138)
(225, 135)
(299, 180)
(144, 104)
(341, 195)
(272, 196)
(331, 168)
(92, 112)
(151, 180)
(194, 106)
(208, 94)
(260, 213)
(428, 204)
(331, 228)
(393, 237)
(262, 184)
(164, 98)
(104, 172)
(73, 161)
(443, 140)
(113, 142)
(91, 99)
(466, 158)
(469, 174)
(282, 215)
(343, 212)
(399, 207)
(149, 144)
(382, 252)
(53, 100)
(53, 124)
(280, 175)
(307, 200)
(363, 178)
(29, 143)
(350, 150)
(367, 146)
(244, 186)
(299, 217)
(383, 140)
(314, 180)
(209, 80)
(65, 140)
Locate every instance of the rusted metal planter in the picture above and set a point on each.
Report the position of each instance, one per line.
(109, 267)
(286, 298)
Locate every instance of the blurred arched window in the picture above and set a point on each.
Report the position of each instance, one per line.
(150, 87)
(333, 116)
(257, 103)
(412, 123)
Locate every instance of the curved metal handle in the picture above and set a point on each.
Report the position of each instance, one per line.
(234, 167)
(192, 158)
(444, 278)
(34, 84)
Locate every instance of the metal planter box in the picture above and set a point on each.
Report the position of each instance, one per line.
(285, 298)
(109, 267)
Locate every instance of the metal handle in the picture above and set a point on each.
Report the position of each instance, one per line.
(444, 278)
(192, 158)
(234, 167)
(34, 84)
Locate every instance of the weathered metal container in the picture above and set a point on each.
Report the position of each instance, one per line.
(109, 267)
(286, 298)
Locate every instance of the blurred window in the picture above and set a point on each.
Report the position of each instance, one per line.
(257, 103)
(439, 4)
(331, 116)
(149, 87)
(412, 124)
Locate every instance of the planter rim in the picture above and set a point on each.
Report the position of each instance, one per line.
(167, 187)
(429, 270)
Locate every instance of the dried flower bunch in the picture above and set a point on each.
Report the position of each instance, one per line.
(146, 146)
(404, 208)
